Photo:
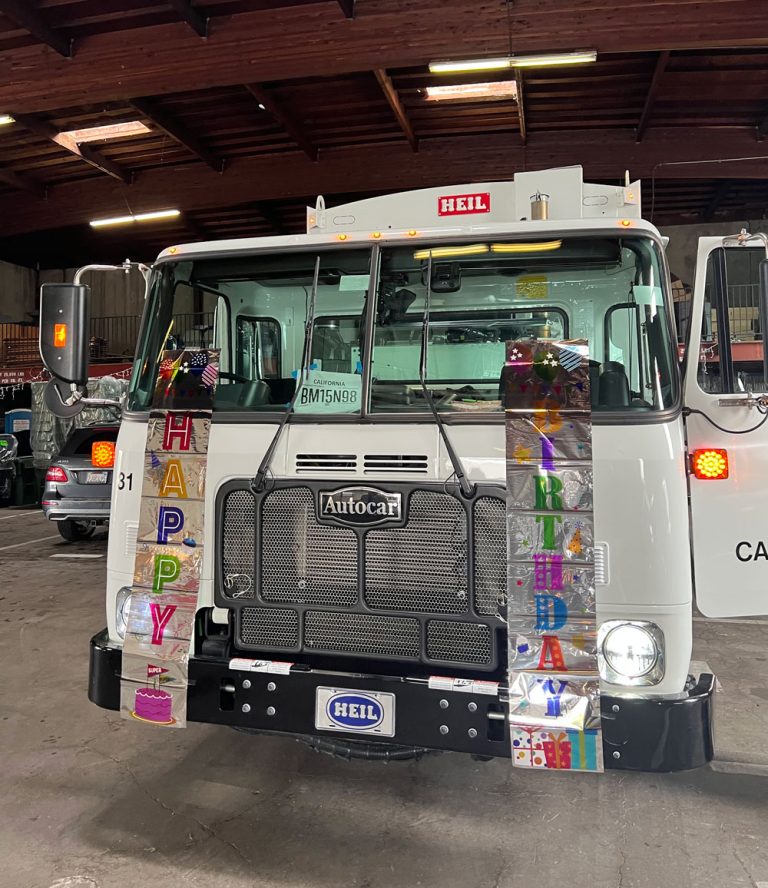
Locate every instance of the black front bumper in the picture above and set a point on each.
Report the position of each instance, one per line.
(639, 734)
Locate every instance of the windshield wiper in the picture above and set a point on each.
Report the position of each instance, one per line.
(467, 489)
(257, 482)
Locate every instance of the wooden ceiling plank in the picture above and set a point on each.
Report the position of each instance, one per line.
(264, 97)
(269, 214)
(21, 182)
(347, 7)
(721, 192)
(24, 14)
(187, 13)
(762, 127)
(661, 63)
(177, 131)
(390, 94)
(46, 130)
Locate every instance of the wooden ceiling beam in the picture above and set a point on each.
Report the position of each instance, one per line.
(650, 97)
(21, 182)
(290, 42)
(24, 14)
(520, 84)
(286, 120)
(177, 131)
(187, 13)
(604, 154)
(721, 192)
(90, 155)
(390, 94)
(762, 128)
(269, 214)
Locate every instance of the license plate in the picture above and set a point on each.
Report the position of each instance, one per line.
(355, 712)
(95, 477)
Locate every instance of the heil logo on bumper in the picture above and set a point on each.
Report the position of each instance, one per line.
(355, 712)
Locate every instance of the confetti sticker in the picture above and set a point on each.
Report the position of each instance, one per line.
(554, 687)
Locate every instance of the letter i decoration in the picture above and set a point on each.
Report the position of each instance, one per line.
(554, 685)
(170, 542)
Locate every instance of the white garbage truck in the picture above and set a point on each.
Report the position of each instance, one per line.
(351, 511)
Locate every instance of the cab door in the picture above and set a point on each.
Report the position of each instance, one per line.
(727, 426)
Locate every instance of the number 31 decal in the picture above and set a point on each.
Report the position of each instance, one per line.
(125, 482)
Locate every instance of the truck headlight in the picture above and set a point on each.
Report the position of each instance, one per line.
(122, 609)
(631, 652)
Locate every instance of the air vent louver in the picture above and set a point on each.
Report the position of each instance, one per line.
(384, 463)
(325, 462)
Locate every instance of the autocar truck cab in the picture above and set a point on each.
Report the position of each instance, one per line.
(400, 603)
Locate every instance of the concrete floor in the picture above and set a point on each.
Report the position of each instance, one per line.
(88, 800)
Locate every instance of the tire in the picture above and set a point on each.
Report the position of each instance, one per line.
(6, 489)
(74, 531)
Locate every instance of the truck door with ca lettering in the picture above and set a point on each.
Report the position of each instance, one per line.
(726, 408)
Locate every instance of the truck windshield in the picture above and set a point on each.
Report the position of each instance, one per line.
(254, 308)
(609, 291)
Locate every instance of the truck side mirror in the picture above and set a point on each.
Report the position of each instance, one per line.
(763, 307)
(64, 322)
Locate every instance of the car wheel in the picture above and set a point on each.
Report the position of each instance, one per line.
(74, 531)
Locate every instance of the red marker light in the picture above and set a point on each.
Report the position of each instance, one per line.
(103, 454)
(710, 465)
(60, 335)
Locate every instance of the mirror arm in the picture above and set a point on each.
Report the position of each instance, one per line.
(125, 267)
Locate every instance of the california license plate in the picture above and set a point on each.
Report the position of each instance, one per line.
(95, 477)
(355, 712)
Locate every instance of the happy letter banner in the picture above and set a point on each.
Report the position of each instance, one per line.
(169, 548)
(554, 688)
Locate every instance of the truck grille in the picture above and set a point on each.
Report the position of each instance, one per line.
(428, 591)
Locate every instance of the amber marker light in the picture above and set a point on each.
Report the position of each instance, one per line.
(625, 223)
(412, 233)
(103, 454)
(341, 237)
(375, 235)
(710, 465)
(60, 335)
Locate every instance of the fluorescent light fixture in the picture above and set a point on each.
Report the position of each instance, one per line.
(138, 217)
(445, 252)
(5, 118)
(261, 107)
(551, 61)
(502, 63)
(461, 92)
(541, 247)
(497, 64)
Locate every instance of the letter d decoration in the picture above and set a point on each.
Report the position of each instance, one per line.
(554, 700)
(167, 568)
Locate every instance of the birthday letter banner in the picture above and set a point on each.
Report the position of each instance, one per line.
(554, 688)
(170, 542)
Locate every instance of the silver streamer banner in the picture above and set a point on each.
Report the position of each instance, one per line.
(554, 687)
(171, 541)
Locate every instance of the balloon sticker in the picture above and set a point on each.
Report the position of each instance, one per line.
(554, 686)
(171, 541)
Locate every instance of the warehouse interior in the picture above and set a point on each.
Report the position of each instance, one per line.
(131, 127)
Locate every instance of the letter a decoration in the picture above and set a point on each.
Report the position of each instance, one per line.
(171, 541)
(554, 685)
